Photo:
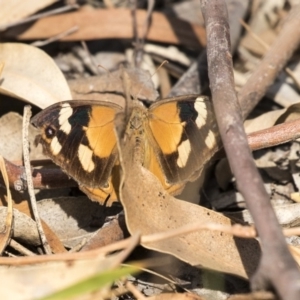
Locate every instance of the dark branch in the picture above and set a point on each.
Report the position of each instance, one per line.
(277, 267)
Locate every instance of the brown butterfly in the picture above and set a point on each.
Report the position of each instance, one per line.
(176, 137)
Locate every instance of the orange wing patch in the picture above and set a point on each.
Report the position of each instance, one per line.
(166, 127)
(100, 131)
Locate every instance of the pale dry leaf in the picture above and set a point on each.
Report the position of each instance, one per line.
(272, 118)
(24, 227)
(149, 210)
(11, 135)
(31, 75)
(38, 280)
(15, 10)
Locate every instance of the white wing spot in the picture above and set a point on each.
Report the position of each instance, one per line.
(210, 140)
(184, 150)
(55, 146)
(64, 114)
(85, 157)
(201, 109)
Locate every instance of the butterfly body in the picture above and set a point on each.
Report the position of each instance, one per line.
(173, 138)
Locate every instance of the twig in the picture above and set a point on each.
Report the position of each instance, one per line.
(39, 16)
(275, 59)
(6, 233)
(21, 249)
(46, 178)
(136, 293)
(276, 135)
(126, 245)
(26, 118)
(79, 246)
(237, 230)
(283, 277)
(56, 37)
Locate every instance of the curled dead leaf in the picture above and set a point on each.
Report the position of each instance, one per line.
(31, 75)
(149, 210)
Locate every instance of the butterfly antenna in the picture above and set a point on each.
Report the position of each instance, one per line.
(106, 70)
(94, 64)
(159, 67)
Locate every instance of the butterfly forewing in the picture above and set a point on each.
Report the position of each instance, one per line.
(79, 137)
(185, 135)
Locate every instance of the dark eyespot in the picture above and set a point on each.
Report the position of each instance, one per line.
(50, 132)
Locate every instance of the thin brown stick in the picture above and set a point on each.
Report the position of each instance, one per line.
(136, 293)
(275, 59)
(26, 118)
(283, 277)
(46, 178)
(276, 135)
(56, 37)
(128, 243)
(20, 248)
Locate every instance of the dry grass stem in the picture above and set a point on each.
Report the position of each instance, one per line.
(26, 118)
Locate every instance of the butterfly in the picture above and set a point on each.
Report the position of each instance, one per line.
(176, 137)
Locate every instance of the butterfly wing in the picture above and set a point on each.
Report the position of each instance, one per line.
(79, 137)
(184, 135)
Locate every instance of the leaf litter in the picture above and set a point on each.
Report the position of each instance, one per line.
(30, 75)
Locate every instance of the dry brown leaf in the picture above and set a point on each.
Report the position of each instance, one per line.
(149, 210)
(15, 10)
(108, 87)
(114, 23)
(30, 74)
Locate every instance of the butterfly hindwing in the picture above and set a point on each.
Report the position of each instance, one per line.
(79, 137)
(184, 132)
